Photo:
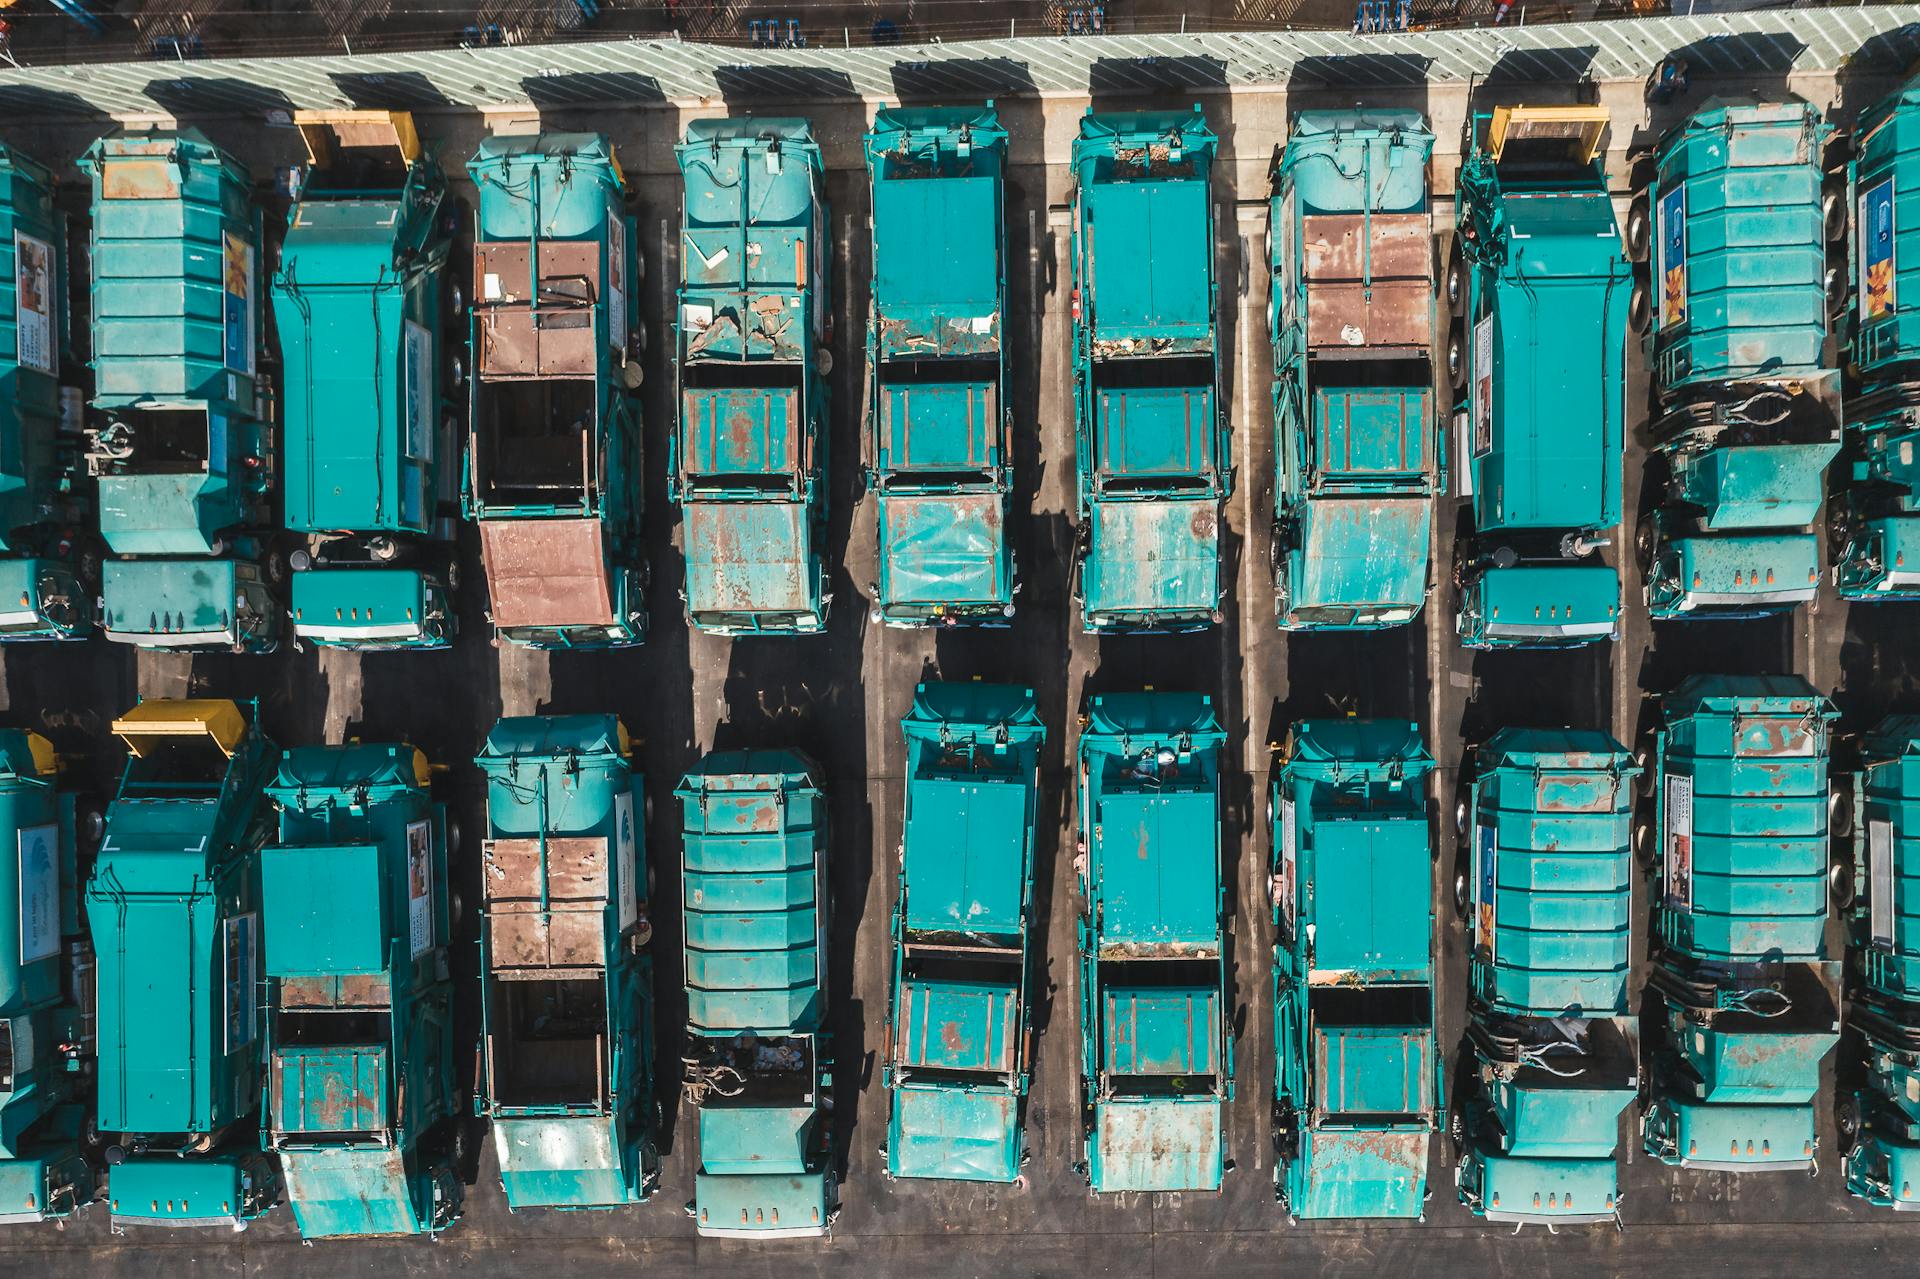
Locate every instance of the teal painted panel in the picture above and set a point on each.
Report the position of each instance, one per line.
(763, 1206)
(937, 274)
(945, 551)
(956, 1025)
(170, 602)
(382, 607)
(1371, 909)
(1158, 876)
(350, 1193)
(1157, 1144)
(1358, 1172)
(563, 1161)
(326, 909)
(329, 1091)
(33, 342)
(1546, 1191)
(938, 426)
(1155, 560)
(967, 860)
(1161, 1031)
(954, 1133)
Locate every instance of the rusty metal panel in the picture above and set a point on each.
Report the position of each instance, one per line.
(357, 990)
(1361, 295)
(546, 573)
(157, 179)
(571, 931)
(543, 331)
(576, 869)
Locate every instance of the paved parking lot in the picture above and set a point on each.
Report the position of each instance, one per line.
(840, 697)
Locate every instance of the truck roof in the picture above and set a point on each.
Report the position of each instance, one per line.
(564, 185)
(754, 826)
(1156, 866)
(1151, 246)
(965, 866)
(1346, 161)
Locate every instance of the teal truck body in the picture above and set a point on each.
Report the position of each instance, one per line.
(49, 568)
(173, 904)
(1350, 237)
(566, 972)
(554, 450)
(1749, 414)
(46, 1026)
(1748, 999)
(365, 314)
(1156, 1064)
(184, 458)
(959, 1056)
(1357, 1079)
(1539, 290)
(759, 1065)
(361, 1096)
(1881, 1118)
(1151, 444)
(939, 454)
(1877, 514)
(749, 464)
(1555, 1049)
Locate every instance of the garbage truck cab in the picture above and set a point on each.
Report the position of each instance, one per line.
(46, 1023)
(1156, 1049)
(1546, 883)
(1538, 288)
(367, 321)
(1151, 443)
(173, 904)
(361, 1096)
(1357, 1084)
(749, 464)
(759, 1060)
(1350, 237)
(566, 969)
(554, 450)
(49, 560)
(959, 1054)
(1876, 515)
(182, 450)
(1879, 820)
(939, 454)
(1732, 229)
(1748, 1000)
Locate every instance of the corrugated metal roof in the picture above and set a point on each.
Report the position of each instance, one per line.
(1883, 38)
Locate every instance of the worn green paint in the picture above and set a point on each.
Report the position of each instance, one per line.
(1884, 936)
(754, 897)
(43, 1172)
(1357, 1082)
(939, 455)
(355, 900)
(1750, 999)
(1546, 296)
(1549, 872)
(1354, 437)
(1739, 256)
(1152, 451)
(1750, 302)
(1881, 527)
(958, 1063)
(1156, 1060)
(577, 458)
(179, 319)
(173, 904)
(567, 1038)
(46, 495)
(748, 462)
(369, 447)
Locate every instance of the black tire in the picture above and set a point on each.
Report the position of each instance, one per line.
(1639, 229)
(1840, 884)
(1457, 357)
(1834, 214)
(1462, 895)
(1639, 305)
(1646, 539)
(1840, 813)
(1644, 842)
(1837, 289)
(1456, 284)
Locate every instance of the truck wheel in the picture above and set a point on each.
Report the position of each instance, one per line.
(1846, 1121)
(1839, 814)
(1840, 885)
(1834, 214)
(822, 361)
(1639, 305)
(1456, 285)
(1639, 229)
(1646, 540)
(274, 567)
(1836, 288)
(1643, 760)
(1462, 895)
(1643, 843)
(456, 299)
(1462, 814)
(1457, 357)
